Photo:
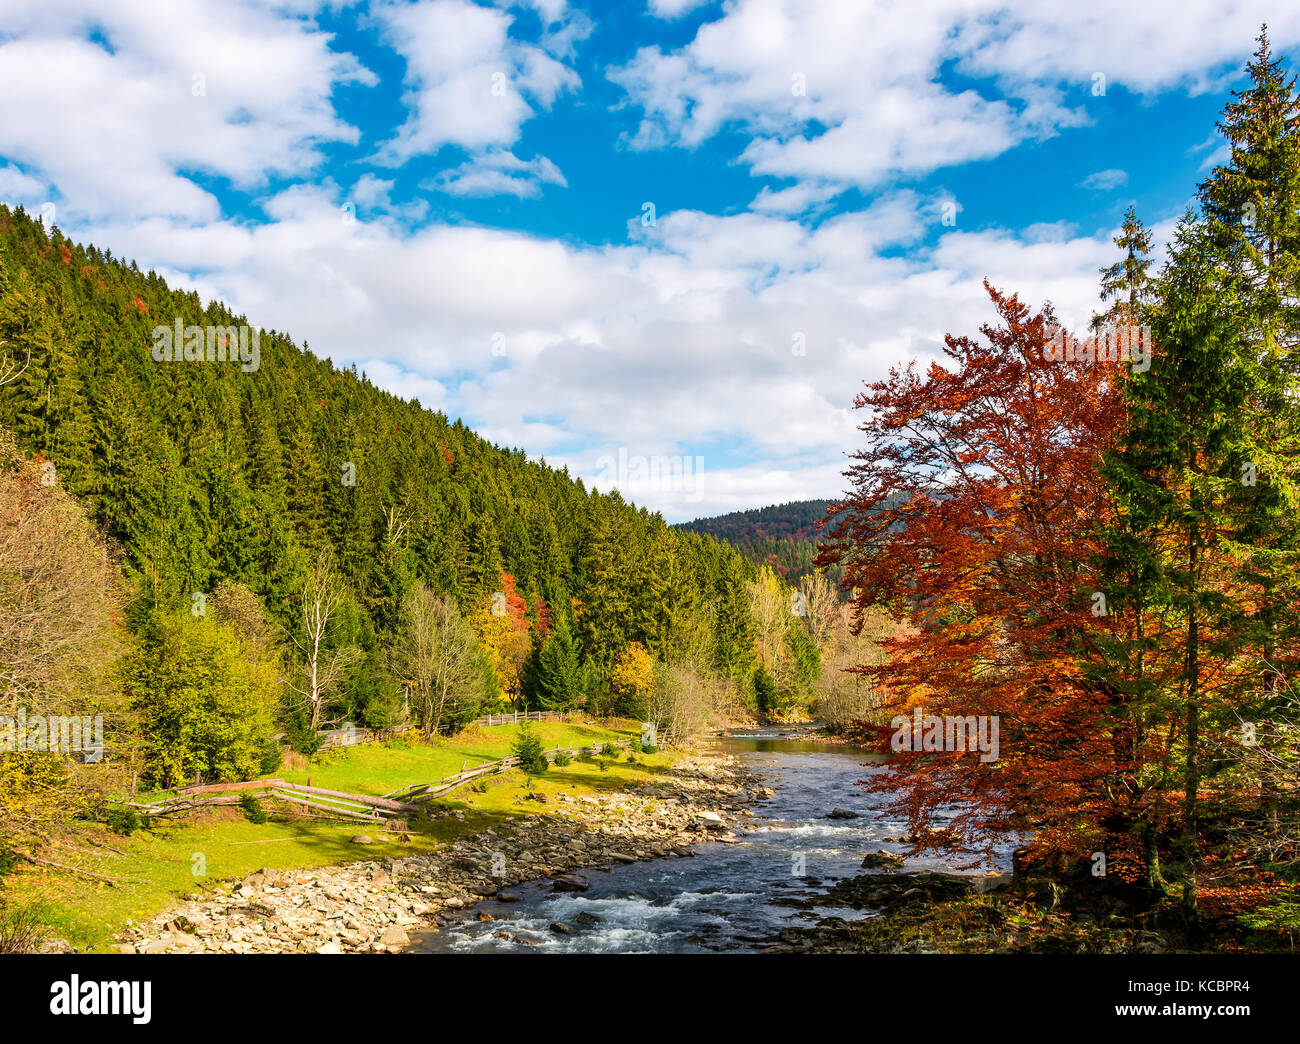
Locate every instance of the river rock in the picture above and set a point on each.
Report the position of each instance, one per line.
(567, 883)
(362, 839)
(395, 936)
(882, 860)
(841, 813)
(560, 928)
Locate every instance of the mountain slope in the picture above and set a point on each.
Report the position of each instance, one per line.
(208, 470)
(781, 535)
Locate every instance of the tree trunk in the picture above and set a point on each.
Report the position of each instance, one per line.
(1191, 779)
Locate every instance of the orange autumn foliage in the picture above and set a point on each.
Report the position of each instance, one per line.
(974, 517)
(501, 623)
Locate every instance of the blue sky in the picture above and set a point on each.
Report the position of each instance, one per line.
(451, 194)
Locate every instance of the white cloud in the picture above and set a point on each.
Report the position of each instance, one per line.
(469, 83)
(499, 172)
(20, 187)
(852, 94)
(673, 8)
(113, 123)
(799, 198)
(1105, 180)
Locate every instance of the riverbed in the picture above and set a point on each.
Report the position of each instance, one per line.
(729, 896)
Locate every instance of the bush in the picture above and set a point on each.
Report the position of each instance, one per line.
(123, 821)
(205, 699)
(272, 757)
(562, 759)
(1280, 920)
(303, 739)
(610, 750)
(253, 810)
(635, 745)
(649, 749)
(528, 749)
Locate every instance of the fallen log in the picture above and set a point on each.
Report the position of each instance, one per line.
(365, 799)
(295, 799)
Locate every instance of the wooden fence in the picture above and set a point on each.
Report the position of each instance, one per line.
(422, 792)
(364, 807)
(349, 737)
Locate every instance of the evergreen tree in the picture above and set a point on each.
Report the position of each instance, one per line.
(1175, 475)
(558, 678)
(1127, 282)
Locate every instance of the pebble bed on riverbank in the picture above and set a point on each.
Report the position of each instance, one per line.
(372, 907)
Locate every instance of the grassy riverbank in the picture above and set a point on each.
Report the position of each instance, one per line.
(150, 869)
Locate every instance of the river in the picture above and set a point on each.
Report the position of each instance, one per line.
(727, 897)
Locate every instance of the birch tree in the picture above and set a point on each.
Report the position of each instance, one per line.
(325, 668)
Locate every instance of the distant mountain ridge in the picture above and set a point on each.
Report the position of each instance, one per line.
(781, 535)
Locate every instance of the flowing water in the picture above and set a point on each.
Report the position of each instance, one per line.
(722, 899)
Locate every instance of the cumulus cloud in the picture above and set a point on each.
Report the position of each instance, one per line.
(469, 82)
(235, 90)
(855, 94)
(20, 188)
(498, 172)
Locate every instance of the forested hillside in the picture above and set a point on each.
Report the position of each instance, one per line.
(317, 492)
(783, 536)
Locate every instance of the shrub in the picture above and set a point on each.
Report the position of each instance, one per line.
(649, 748)
(1280, 919)
(635, 745)
(205, 700)
(253, 810)
(562, 759)
(123, 821)
(528, 749)
(610, 750)
(303, 739)
(272, 756)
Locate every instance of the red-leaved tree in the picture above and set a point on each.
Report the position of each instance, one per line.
(974, 517)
